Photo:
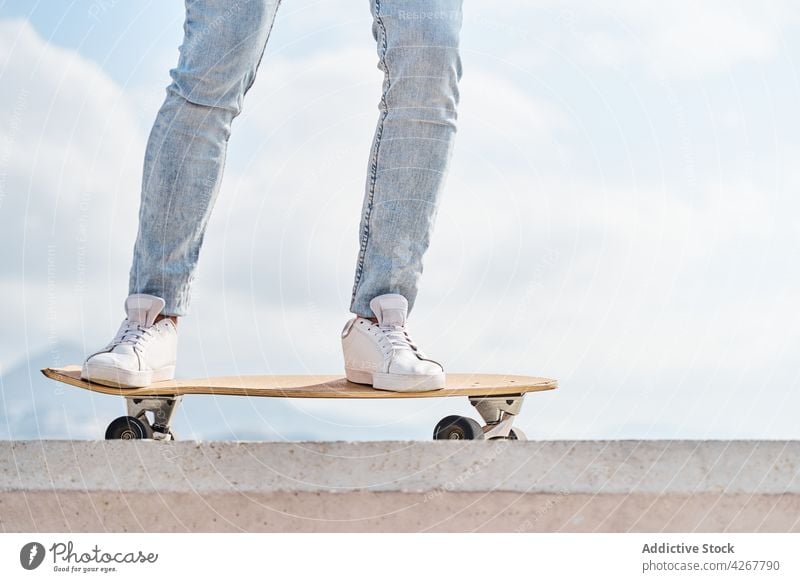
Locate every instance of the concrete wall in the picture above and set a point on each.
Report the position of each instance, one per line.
(400, 486)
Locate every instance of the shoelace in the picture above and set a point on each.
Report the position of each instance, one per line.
(399, 337)
(130, 333)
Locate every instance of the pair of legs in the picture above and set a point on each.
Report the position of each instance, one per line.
(417, 43)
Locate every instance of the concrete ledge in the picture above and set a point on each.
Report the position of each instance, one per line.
(400, 486)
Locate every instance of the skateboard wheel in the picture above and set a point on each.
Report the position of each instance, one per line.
(516, 434)
(128, 428)
(457, 428)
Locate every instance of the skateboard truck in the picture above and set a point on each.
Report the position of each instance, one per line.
(162, 407)
(498, 412)
(138, 426)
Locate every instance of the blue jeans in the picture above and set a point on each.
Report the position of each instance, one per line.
(224, 41)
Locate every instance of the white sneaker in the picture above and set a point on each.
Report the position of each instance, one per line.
(383, 355)
(141, 353)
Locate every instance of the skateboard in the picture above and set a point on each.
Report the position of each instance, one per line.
(496, 397)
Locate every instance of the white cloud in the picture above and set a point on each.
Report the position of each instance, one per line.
(670, 40)
(69, 186)
(686, 39)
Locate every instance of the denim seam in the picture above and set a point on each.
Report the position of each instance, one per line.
(374, 162)
(263, 49)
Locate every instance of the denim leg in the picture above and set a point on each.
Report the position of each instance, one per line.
(222, 48)
(418, 54)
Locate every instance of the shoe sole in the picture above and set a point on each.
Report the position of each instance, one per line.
(397, 382)
(120, 378)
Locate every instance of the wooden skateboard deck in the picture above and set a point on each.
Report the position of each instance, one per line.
(310, 386)
(496, 397)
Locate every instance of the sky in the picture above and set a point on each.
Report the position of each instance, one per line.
(621, 214)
